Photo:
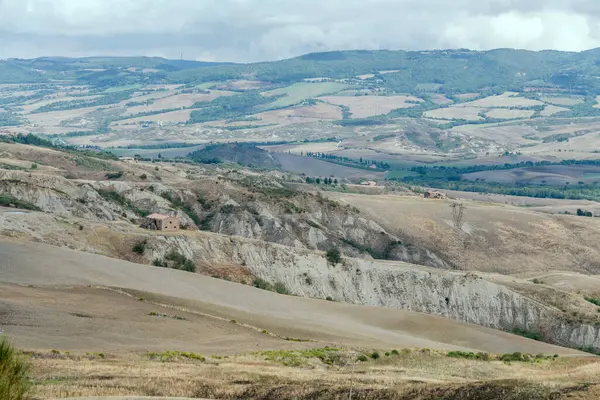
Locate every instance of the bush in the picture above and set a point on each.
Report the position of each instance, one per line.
(143, 177)
(515, 357)
(362, 358)
(375, 355)
(528, 334)
(14, 384)
(114, 175)
(329, 298)
(469, 356)
(140, 247)
(593, 301)
(8, 200)
(281, 288)
(261, 284)
(395, 352)
(333, 256)
(188, 266)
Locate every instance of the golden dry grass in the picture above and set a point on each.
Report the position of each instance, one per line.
(412, 374)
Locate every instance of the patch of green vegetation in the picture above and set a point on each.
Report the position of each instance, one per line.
(14, 370)
(113, 175)
(140, 247)
(333, 256)
(229, 107)
(297, 358)
(299, 92)
(527, 334)
(240, 153)
(174, 355)
(175, 260)
(161, 315)
(593, 301)
(7, 200)
(470, 355)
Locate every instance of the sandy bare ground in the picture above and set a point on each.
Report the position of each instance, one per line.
(36, 264)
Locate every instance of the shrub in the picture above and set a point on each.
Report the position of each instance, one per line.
(114, 175)
(362, 358)
(528, 334)
(593, 301)
(333, 256)
(143, 177)
(469, 356)
(515, 357)
(375, 355)
(281, 288)
(8, 200)
(395, 352)
(188, 266)
(329, 298)
(14, 384)
(140, 247)
(261, 284)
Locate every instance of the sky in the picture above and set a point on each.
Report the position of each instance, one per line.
(257, 30)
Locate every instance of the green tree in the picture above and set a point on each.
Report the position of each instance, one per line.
(333, 256)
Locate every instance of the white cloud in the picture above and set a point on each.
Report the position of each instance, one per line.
(251, 30)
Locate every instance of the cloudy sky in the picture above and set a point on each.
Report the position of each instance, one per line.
(254, 30)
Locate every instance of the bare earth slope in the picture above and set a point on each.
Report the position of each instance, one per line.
(35, 264)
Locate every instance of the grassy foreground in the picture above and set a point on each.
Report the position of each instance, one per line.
(315, 374)
(14, 383)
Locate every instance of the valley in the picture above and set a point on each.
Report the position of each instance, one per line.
(375, 221)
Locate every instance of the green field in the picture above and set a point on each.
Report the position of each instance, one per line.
(299, 92)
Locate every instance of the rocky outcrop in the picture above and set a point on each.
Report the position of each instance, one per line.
(461, 296)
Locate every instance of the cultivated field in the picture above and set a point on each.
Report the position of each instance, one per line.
(299, 92)
(502, 101)
(562, 101)
(367, 106)
(175, 101)
(504, 113)
(552, 174)
(551, 110)
(318, 168)
(450, 113)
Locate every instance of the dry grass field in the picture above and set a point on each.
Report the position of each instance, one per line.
(504, 113)
(562, 101)
(367, 106)
(176, 101)
(550, 110)
(495, 238)
(450, 113)
(505, 100)
(404, 374)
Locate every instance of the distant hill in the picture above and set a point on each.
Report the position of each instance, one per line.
(443, 71)
(243, 154)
